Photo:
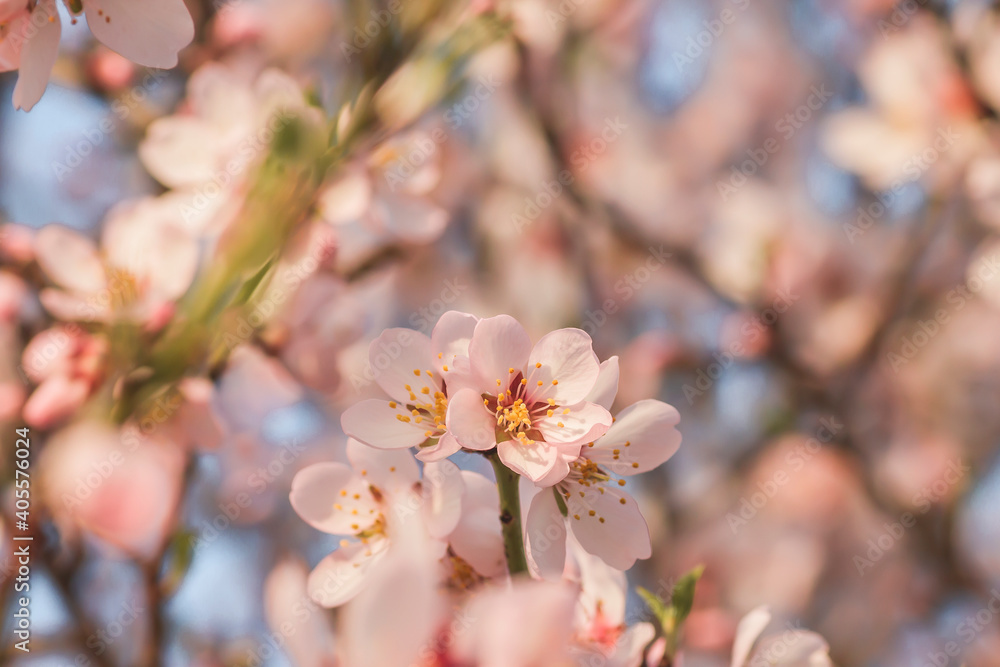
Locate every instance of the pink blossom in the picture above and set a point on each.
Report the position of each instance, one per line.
(419, 373)
(792, 648)
(99, 481)
(529, 402)
(145, 263)
(598, 511)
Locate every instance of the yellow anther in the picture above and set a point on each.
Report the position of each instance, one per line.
(416, 371)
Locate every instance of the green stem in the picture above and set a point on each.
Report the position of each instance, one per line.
(510, 515)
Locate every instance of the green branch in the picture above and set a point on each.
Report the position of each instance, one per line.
(510, 515)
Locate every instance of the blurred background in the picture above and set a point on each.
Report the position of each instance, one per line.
(783, 217)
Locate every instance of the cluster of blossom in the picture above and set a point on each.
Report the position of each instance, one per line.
(430, 546)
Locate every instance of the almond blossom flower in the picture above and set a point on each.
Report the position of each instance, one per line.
(601, 515)
(351, 500)
(148, 32)
(99, 480)
(145, 263)
(386, 198)
(67, 363)
(601, 634)
(529, 402)
(792, 648)
(419, 373)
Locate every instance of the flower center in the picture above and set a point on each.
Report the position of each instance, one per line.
(425, 406)
(514, 419)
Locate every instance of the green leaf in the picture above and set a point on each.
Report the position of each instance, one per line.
(682, 598)
(656, 604)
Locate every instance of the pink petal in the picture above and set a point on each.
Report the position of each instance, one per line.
(446, 445)
(569, 368)
(401, 358)
(411, 219)
(38, 55)
(331, 498)
(148, 32)
(574, 425)
(499, 344)
(341, 575)
(390, 471)
(70, 259)
(442, 492)
(472, 424)
(534, 461)
(621, 538)
(747, 632)
(374, 423)
(793, 649)
(450, 342)
(55, 400)
(477, 538)
(545, 536)
(644, 433)
(606, 387)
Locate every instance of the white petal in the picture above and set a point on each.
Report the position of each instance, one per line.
(38, 55)
(477, 538)
(69, 259)
(606, 387)
(148, 32)
(795, 648)
(446, 445)
(471, 422)
(374, 422)
(442, 492)
(341, 575)
(566, 357)
(574, 425)
(401, 358)
(747, 632)
(391, 471)
(643, 437)
(450, 342)
(545, 536)
(499, 344)
(331, 498)
(622, 536)
(535, 461)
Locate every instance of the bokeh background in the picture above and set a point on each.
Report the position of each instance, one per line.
(782, 216)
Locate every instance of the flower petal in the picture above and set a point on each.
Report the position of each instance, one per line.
(450, 342)
(70, 259)
(498, 344)
(793, 649)
(341, 575)
(472, 424)
(535, 461)
(148, 32)
(442, 491)
(606, 387)
(643, 437)
(608, 524)
(545, 536)
(38, 55)
(747, 632)
(392, 471)
(331, 498)
(374, 422)
(574, 425)
(477, 538)
(446, 445)
(400, 360)
(565, 363)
